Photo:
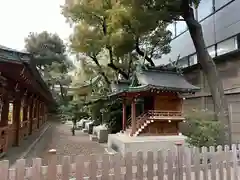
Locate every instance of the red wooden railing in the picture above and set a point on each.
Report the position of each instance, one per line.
(158, 113)
(155, 114)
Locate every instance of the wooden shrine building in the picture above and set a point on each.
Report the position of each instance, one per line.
(23, 98)
(159, 92)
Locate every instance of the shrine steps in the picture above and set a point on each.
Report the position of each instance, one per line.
(143, 126)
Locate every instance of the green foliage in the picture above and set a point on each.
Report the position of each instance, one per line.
(118, 28)
(46, 48)
(72, 111)
(202, 129)
(114, 122)
(95, 110)
(49, 53)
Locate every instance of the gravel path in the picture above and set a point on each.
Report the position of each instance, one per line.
(59, 137)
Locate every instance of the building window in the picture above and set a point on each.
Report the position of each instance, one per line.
(227, 46)
(193, 59)
(211, 51)
(205, 8)
(221, 3)
(181, 26)
(171, 28)
(183, 62)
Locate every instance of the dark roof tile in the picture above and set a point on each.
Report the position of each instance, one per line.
(164, 79)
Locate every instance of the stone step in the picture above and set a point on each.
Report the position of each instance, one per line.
(93, 138)
(109, 150)
(85, 131)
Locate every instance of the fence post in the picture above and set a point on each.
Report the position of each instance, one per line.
(179, 164)
(52, 165)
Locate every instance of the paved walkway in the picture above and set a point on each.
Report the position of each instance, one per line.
(59, 137)
(15, 153)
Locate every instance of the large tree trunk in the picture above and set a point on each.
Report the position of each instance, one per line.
(210, 70)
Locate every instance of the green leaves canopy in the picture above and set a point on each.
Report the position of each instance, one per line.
(122, 27)
(45, 47)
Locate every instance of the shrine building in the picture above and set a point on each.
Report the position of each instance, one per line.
(24, 98)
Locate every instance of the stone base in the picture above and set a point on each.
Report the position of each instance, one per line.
(84, 122)
(93, 138)
(90, 128)
(85, 131)
(123, 143)
(101, 132)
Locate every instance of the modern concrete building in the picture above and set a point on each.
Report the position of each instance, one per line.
(220, 20)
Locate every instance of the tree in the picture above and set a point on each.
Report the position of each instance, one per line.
(125, 26)
(208, 66)
(96, 32)
(182, 10)
(56, 76)
(46, 48)
(49, 53)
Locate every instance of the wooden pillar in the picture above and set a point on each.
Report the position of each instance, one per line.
(5, 109)
(41, 113)
(124, 115)
(43, 117)
(16, 116)
(30, 114)
(38, 117)
(45, 112)
(34, 113)
(133, 117)
(25, 107)
(25, 115)
(4, 122)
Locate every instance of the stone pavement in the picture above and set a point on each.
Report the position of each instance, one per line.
(61, 139)
(15, 153)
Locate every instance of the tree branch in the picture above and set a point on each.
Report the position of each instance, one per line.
(100, 69)
(141, 53)
(109, 48)
(118, 70)
(130, 63)
(153, 48)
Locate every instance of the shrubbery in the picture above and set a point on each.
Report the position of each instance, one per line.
(202, 129)
(72, 111)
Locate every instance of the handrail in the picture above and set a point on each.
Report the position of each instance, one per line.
(165, 113)
(142, 119)
(137, 118)
(148, 115)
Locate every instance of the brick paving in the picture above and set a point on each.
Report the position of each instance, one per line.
(59, 137)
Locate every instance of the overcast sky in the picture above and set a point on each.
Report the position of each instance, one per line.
(19, 17)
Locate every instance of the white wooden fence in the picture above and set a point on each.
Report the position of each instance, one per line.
(183, 164)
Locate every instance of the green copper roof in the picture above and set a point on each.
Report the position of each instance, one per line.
(147, 79)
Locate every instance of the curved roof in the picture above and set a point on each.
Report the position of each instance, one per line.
(24, 60)
(153, 78)
(164, 80)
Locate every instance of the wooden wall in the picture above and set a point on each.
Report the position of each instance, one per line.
(160, 128)
(167, 102)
